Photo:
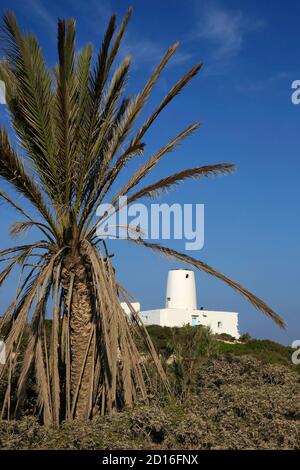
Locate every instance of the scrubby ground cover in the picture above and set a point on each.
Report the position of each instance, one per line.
(237, 402)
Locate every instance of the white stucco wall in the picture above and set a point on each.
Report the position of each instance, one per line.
(151, 317)
(219, 321)
(135, 305)
(181, 290)
(166, 317)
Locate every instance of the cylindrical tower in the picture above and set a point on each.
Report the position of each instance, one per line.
(181, 289)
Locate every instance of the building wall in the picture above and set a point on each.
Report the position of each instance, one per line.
(219, 322)
(175, 316)
(152, 317)
(166, 317)
(135, 305)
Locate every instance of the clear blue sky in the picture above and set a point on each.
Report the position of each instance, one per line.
(242, 96)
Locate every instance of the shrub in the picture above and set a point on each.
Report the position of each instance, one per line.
(245, 338)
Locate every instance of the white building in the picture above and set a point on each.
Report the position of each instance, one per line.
(181, 307)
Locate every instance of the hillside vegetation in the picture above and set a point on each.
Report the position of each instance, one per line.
(226, 396)
(265, 350)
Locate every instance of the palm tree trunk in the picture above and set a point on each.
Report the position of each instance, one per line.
(81, 327)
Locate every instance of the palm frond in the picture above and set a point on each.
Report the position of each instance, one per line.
(166, 183)
(37, 321)
(118, 39)
(30, 107)
(95, 175)
(19, 258)
(80, 165)
(96, 85)
(132, 112)
(174, 91)
(54, 356)
(136, 147)
(136, 106)
(100, 116)
(20, 228)
(12, 171)
(153, 161)
(66, 107)
(40, 244)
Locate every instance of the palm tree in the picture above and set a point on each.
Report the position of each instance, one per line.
(76, 130)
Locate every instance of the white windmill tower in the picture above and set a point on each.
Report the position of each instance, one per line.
(181, 290)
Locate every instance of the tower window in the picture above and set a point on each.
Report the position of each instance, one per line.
(168, 299)
(186, 276)
(220, 324)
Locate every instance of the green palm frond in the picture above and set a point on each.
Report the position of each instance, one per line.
(66, 109)
(154, 160)
(12, 170)
(30, 105)
(164, 184)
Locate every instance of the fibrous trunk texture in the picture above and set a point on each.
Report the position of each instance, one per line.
(81, 316)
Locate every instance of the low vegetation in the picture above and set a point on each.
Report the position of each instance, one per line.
(267, 351)
(237, 403)
(226, 396)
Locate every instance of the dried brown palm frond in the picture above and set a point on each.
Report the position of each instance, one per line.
(77, 132)
(20, 228)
